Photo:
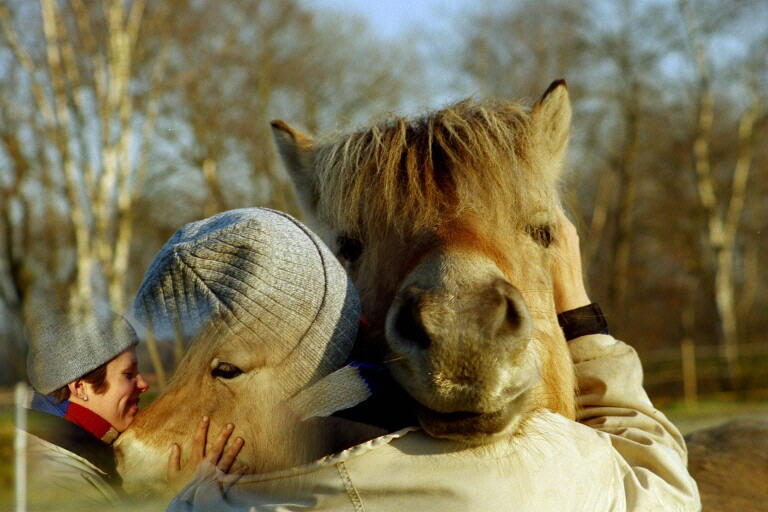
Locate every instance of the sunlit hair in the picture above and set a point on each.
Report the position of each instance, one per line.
(460, 157)
(96, 378)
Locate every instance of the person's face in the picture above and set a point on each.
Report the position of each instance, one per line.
(120, 403)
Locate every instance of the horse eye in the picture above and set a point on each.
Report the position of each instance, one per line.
(226, 371)
(541, 234)
(349, 248)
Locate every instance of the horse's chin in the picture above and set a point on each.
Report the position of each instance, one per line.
(475, 428)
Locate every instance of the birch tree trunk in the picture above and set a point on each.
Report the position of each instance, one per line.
(131, 182)
(722, 227)
(82, 298)
(69, 90)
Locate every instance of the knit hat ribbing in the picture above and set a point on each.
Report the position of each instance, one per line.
(259, 276)
(63, 349)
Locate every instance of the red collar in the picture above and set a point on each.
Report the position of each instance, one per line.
(92, 422)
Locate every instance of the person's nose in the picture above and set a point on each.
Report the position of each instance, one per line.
(141, 383)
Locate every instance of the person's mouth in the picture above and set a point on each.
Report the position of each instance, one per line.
(133, 405)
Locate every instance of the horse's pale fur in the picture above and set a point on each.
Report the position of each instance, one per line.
(254, 403)
(477, 178)
(192, 393)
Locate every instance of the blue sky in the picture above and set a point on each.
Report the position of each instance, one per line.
(392, 18)
(389, 17)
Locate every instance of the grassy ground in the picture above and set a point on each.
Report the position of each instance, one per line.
(6, 458)
(707, 413)
(711, 412)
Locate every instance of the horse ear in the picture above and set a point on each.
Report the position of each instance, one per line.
(297, 152)
(552, 115)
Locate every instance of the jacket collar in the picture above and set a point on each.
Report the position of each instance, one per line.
(82, 417)
(53, 425)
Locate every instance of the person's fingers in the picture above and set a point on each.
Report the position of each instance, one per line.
(174, 460)
(214, 453)
(198, 443)
(230, 454)
(567, 276)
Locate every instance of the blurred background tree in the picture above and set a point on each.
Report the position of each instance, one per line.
(120, 120)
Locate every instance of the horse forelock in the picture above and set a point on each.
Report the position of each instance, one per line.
(417, 173)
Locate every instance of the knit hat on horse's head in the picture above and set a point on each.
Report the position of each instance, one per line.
(259, 276)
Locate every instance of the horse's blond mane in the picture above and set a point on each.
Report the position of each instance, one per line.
(425, 170)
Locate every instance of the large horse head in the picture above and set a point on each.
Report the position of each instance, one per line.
(445, 223)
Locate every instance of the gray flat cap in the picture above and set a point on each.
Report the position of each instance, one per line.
(63, 349)
(258, 276)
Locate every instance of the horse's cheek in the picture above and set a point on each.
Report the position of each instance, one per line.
(558, 379)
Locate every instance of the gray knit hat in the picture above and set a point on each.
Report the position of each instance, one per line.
(62, 349)
(258, 276)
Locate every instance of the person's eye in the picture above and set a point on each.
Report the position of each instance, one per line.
(225, 371)
(542, 234)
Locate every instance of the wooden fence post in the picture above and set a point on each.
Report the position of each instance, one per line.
(688, 353)
(21, 397)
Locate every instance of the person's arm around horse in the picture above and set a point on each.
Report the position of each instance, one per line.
(650, 452)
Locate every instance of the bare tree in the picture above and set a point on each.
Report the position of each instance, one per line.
(81, 85)
(723, 215)
(80, 144)
(628, 66)
(515, 50)
(131, 117)
(630, 52)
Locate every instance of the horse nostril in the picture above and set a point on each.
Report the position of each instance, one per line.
(408, 325)
(514, 304)
(513, 315)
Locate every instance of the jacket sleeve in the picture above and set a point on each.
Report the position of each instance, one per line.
(649, 450)
(207, 491)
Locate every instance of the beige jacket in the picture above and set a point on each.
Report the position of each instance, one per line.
(59, 479)
(623, 454)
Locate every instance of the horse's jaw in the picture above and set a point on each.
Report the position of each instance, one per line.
(482, 419)
(476, 428)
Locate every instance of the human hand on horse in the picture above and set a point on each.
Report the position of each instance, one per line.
(567, 277)
(179, 476)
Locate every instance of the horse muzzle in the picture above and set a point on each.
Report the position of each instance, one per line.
(460, 342)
